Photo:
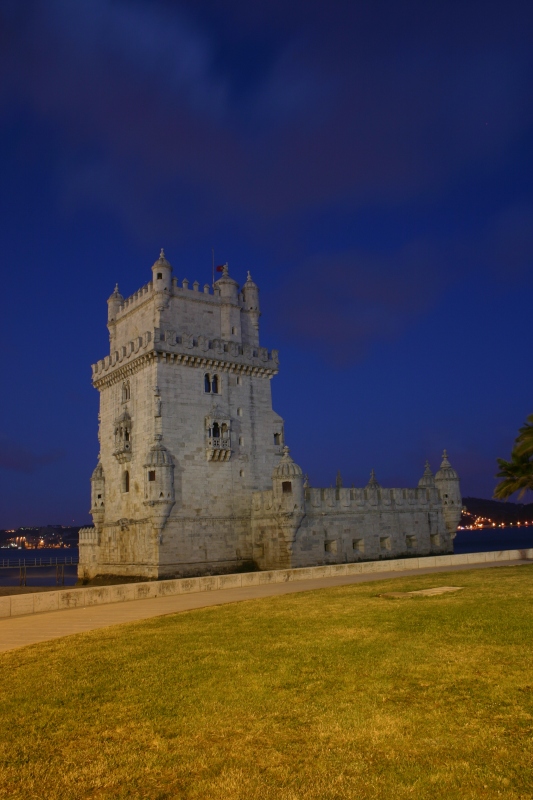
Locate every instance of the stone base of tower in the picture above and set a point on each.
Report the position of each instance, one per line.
(185, 548)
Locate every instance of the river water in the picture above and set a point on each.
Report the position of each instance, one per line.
(465, 542)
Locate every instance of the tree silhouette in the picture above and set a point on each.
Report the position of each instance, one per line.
(517, 474)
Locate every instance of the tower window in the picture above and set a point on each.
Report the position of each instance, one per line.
(151, 475)
(211, 384)
(125, 481)
(241, 440)
(216, 430)
(239, 380)
(239, 412)
(126, 392)
(277, 438)
(233, 331)
(286, 487)
(159, 276)
(241, 473)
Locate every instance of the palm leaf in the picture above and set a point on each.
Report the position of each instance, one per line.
(517, 475)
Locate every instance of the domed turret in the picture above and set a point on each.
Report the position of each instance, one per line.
(447, 482)
(288, 483)
(230, 312)
(373, 483)
(159, 483)
(227, 287)
(98, 495)
(251, 312)
(113, 304)
(162, 279)
(286, 467)
(427, 481)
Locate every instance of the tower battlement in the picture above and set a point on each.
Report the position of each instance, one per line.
(355, 498)
(198, 351)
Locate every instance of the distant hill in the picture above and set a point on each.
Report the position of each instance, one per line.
(497, 512)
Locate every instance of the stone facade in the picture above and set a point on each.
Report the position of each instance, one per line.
(193, 476)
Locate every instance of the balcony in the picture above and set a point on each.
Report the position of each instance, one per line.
(218, 449)
(122, 452)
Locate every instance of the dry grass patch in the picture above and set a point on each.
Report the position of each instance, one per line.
(323, 695)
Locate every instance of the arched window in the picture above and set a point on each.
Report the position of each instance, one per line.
(286, 487)
(214, 384)
(125, 391)
(216, 430)
(125, 481)
(207, 383)
(151, 475)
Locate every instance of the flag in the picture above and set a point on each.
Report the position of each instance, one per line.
(220, 268)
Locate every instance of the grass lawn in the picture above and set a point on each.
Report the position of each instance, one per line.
(336, 693)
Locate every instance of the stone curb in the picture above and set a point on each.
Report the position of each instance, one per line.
(18, 605)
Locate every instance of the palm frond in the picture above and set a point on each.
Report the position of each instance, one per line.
(517, 476)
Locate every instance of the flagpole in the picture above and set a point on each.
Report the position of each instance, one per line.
(213, 254)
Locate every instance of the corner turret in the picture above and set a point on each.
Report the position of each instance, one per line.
(230, 312)
(98, 495)
(162, 280)
(159, 484)
(288, 484)
(251, 312)
(114, 304)
(447, 482)
(427, 481)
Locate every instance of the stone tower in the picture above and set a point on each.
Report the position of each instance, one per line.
(187, 431)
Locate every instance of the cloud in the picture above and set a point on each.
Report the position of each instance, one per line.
(17, 458)
(340, 303)
(335, 112)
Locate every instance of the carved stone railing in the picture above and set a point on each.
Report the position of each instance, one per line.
(218, 449)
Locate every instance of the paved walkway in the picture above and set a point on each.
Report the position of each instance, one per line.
(25, 630)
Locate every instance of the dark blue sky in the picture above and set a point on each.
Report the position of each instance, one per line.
(370, 163)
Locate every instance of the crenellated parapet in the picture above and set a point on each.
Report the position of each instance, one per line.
(329, 500)
(88, 536)
(199, 351)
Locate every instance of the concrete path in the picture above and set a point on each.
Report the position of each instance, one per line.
(21, 631)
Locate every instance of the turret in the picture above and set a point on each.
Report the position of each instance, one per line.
(227, 287)
(427, 481)
(230, 313)
(113, 306)
(250, 312)
(372, 489)
(447, 482)
(288, 485)
(159, 484)
(162, 280)
(98, 495)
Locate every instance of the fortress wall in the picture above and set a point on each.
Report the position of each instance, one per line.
(349, 525)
